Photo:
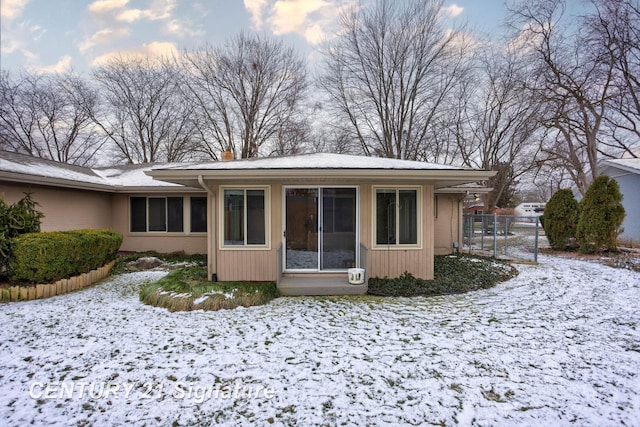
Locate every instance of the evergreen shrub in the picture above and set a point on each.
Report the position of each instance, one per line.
(561, 215)
(18, 218)
(601, 216)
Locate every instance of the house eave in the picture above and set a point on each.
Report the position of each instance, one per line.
(440, 178)
(178, 189)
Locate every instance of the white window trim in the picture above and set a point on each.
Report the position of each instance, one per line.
(267, 219)
(419, 218)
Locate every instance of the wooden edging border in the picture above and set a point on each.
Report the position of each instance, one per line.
(62, 286)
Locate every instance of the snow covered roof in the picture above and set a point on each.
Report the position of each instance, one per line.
(320, 166)
(27, 169)
(315, 161)
(173, 176)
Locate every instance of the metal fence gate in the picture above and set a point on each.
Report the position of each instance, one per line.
(503, 236)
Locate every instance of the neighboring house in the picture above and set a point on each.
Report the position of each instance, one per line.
(301, 220)
(530, 209)
(627, 173)
(475, 208)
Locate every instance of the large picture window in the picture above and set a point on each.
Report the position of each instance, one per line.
(166, 214)
(396, 212)
(244, 217)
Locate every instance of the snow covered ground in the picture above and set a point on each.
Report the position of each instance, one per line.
(558, 345)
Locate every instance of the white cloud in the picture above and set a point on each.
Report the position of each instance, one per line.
(16, 37)
(11, 9)
(290, 16)
(130, 15)
(314, 34)
(153, 49)
(453, 10)
(158, 9)
(104, 6)
(255, 8)
(528, 39)
(59, 67)
(182, 30)
(312, 19)
(105, 35)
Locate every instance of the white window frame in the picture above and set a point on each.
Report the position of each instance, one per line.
(267, 218)
(374, 216)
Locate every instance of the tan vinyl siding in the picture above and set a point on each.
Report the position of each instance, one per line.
(64, 208)
(447, 223)
(252, 265)
(255, 264)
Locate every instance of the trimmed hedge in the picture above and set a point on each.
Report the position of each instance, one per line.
(47, 257)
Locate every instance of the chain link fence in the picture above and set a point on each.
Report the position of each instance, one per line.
(508, 237)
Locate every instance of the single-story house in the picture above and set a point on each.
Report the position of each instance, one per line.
(627, 173)
(303, 221)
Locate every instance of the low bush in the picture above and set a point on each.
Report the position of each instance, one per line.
(47, 257)
(453, 275)
(187, 289)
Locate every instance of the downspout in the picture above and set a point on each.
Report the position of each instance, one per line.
(460, 226)
(212, 264)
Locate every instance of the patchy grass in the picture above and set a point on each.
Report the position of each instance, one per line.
(453, 275)
(188, 289)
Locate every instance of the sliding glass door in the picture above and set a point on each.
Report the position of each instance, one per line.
(320, 228)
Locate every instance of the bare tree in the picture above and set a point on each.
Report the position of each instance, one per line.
(614, 30)
(389, 72)
(48, 116)
(576, 82)
(497, 125)
(143, 113)
(248, 94)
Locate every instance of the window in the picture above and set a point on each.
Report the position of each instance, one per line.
(244, 217)
(157, 214)
(396, 216)
(338, 210)
(198, 215)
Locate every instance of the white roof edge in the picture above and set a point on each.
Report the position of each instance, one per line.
(631, 165)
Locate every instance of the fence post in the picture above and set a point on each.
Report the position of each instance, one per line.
(495, 235)
(506, 235)
(535, 244)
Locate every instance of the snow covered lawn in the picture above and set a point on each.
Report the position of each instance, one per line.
(558, 345)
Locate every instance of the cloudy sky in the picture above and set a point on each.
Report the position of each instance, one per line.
(57, 35)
